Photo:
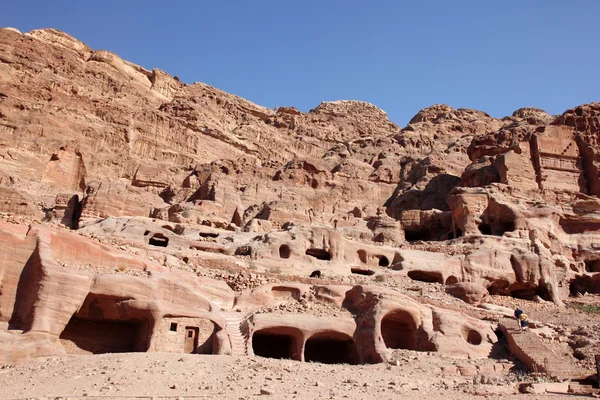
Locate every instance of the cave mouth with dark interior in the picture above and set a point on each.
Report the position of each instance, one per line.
(284, 251)
(496, 228)
(102, 326)
(592, 265)
(104, 336)
(528, 293)
(453, 235)
(362, 271)
(362, 256)
(415, 235)
(584, 284)
(158, 239)
(485, 229)
(319, 254)
(451, 280)
(472, 337)
(383, 261)
(279, 343)
(426, 276)
(210, 235)
(399, 330)
(331, 348)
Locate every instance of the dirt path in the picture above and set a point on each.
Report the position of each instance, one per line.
(163, 375)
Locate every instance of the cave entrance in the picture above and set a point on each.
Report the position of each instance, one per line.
(86, 336)
(472, 336)
(331, 348)
(158, 239)
(284, 251)
(319, 254)
(280, 343)
(383, 261)
(414, 235)
(399, 330)
(454, 235)
(102, 325)
(499, 287)
(362, 271)
(526, 293)
(585, 284)
(506, 226)
(451, 280)
(485, 229)
(210, 235)
(426, 276)
(592, 265)
(573, 227)
(496, 228)
(362, 256)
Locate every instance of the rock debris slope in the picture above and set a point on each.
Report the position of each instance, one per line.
(144, 214)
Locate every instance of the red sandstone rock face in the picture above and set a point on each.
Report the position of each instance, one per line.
(173, 183)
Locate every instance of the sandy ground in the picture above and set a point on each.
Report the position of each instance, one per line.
(172, 376)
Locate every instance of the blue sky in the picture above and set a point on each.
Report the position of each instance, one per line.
(399, 55)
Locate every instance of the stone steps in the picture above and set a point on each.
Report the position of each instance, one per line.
(582, 388)
(535, 354)
(234, 324)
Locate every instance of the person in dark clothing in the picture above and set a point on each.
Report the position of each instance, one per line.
(518, 313)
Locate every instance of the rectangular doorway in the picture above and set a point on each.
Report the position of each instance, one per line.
(191, 339)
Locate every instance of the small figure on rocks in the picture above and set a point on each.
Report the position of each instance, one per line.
(521, 319)
(518, 313)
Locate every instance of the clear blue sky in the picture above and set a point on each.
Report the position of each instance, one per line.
(402, 56)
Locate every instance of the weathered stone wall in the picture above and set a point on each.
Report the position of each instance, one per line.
(172, 335)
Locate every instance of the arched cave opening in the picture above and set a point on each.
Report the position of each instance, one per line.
(451, 280)
(211, 235)
(331, 348)
(498, 287)
(496, 228)
(472, 336)
(399, 330)
(284, 251)
(362, 271)
(414, 235)
(485, 229)
(383, 261)
(584, 284)
(505, 226)
(573, 227)
(529, 292)
(526, 293)
(98, 337)
(158, 239)
(453, 235)
(426, 276)
(362, 256)
(280, 343)
(592, 265)
(101, 326)
(319, 254)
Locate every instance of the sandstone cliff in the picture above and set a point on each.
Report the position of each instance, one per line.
(124, 191)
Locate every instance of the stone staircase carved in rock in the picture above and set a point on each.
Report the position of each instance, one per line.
(236, 325)
(536, 356)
